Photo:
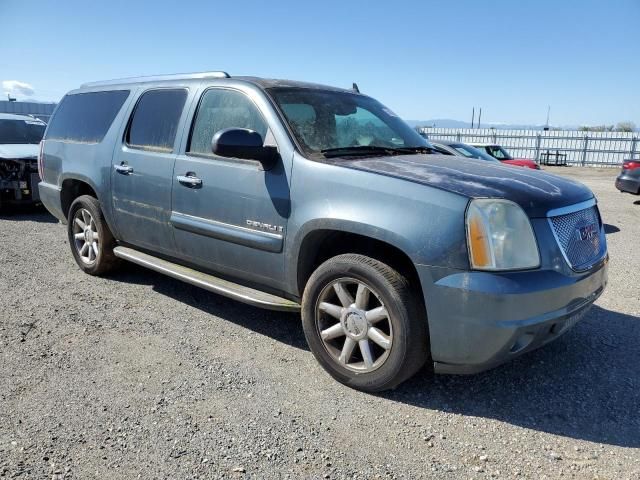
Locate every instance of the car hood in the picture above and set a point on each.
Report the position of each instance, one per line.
(535, 191)
(28, 150)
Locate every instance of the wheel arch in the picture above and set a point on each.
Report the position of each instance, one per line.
(321, 241)
(72, 187)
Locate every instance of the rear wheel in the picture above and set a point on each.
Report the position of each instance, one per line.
(363, 323)
(91, 241)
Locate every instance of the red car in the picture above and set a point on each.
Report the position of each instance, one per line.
(496, 151)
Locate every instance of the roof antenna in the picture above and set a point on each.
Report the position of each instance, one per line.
(355, 87)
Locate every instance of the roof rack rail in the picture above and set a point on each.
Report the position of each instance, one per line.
(158, 78)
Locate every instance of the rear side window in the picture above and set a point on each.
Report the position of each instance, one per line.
(86, 117)
(220, 109)
(154, 122)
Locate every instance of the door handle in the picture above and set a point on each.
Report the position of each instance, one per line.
(190, 180)
(123, 169)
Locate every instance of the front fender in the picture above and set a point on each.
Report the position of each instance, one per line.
(425, 223)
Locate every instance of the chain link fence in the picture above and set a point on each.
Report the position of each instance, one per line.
(602, 149)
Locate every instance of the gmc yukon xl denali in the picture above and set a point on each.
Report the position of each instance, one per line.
(294, 196)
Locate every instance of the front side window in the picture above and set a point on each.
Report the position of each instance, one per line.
(21, 131)
(220, 109)
(154, 122)
(324, 121)
(86, 117)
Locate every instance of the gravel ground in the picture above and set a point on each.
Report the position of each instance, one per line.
(141, 376)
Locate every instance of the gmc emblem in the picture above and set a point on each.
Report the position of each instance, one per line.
(588, 231)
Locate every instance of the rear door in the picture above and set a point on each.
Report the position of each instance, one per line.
(230, 215)
(142, 169)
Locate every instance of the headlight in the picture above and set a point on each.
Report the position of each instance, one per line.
(500, 236)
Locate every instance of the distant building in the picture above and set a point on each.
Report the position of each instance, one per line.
(39, 110)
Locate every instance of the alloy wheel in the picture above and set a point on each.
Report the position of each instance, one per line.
(354, 325)
(85, 236)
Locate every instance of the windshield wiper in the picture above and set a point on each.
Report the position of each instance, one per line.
(419, 149)
(357, 150)
(372, 150)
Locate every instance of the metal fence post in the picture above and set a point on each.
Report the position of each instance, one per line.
(495, 137)
(584, 150)
(538, 139)
(458, 137)
(634, 142)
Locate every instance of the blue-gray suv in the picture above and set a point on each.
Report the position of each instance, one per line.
(294, 196)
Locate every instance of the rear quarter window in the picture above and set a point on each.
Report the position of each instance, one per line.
(155, 120)
(86, 117)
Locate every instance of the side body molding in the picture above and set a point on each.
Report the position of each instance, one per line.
(267, 241)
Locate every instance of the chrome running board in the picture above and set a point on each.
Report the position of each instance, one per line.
(208, 282)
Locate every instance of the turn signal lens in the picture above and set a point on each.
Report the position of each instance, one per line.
(500, 236)
(479, 243)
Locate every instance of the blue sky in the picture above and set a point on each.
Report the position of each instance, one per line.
(424, 59)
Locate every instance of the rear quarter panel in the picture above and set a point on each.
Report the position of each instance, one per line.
(87, 162)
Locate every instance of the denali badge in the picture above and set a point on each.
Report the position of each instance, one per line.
(265, 226)
(588, 231)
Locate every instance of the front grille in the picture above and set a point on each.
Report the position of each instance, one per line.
(580, 237)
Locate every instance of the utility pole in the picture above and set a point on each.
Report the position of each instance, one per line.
(473, 116)
(546, 126)
(479, 117)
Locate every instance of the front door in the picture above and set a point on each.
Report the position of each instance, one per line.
(142, 170)
(229, 215)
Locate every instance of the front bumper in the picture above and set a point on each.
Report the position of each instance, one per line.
(20, 192)
(478, 320)
(627, 183)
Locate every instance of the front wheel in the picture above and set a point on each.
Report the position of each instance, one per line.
(363, 323)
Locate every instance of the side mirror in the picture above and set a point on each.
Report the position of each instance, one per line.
(243, 143)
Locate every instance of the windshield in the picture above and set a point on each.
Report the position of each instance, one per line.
(21, 131)
(499, 152)
(472, 152)
(324, 120)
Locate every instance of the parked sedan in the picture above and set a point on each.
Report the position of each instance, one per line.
(629, 179)
(20, 136)
(450, 147)
(498, 152)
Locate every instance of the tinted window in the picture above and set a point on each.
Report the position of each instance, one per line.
(220, 109)
(86, 117)
(21, 131)
(155, 119)
(499, 153)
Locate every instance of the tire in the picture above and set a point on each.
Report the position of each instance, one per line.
(394, 356)
(97, 257)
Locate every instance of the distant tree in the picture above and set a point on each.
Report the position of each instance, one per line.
(625, 127)
(596, 128)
